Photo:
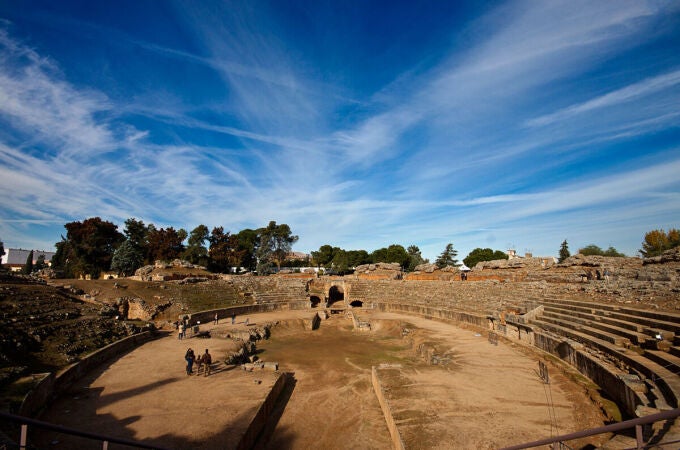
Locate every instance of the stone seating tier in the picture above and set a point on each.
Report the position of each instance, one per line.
(660, 320)
(566, 324)
(634, 337)
(655, 374)
(607, 319)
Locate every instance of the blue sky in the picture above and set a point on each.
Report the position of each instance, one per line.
(358, 123)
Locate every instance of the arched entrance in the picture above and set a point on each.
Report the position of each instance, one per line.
(314, 300)
(336, 294)
(356, 304)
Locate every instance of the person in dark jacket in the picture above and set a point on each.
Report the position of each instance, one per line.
(190, 357)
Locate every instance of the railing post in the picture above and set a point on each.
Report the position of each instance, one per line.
(23, 438)
(638, 436)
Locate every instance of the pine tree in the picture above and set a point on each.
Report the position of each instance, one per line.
(448, 257)
(564, 251)
(28, 267)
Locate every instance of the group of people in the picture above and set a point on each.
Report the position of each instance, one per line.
(204, 361)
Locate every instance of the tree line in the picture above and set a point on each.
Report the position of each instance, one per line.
(94, 245)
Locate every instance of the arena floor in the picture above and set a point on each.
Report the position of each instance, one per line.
(481, 396)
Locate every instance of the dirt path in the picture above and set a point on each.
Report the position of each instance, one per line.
(485, 397)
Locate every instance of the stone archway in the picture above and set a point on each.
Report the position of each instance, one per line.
(336, 294)
(314, 301)
(357, 304)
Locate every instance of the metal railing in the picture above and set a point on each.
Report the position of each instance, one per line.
(24, 422)
(628, 424)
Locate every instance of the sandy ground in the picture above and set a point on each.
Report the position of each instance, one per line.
(485, 397)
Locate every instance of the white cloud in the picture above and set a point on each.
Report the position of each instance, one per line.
(614, 98)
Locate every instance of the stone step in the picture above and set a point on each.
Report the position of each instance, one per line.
(657, 324)
(667, 382)
(603, 335)
(640, 328)
(674, 350)
(666, 360)
(634, 337)
(671, 321)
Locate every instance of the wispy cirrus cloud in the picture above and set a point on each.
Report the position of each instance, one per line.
(626, 94)
(469, 149)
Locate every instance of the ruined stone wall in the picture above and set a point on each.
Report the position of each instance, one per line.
(492, 286)
(387, 411)
(269, 289)
(262, 415)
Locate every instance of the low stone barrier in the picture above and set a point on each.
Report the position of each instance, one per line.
(435, 313)
(208, 316)
(53, 385)
(259, 420)
(387, 411)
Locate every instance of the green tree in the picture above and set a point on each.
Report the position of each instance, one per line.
(611, 251)
(357, 258)
(415, 258)
(395, 253)
(447, 257)
(324, 255)
(483, 254)
(136, 232)
(40, 262)
(127, 258)
(564, 251)
(63, 261)
(88, 247)
(28, 267)
(594, 250)
(591, 250)
(182, 235)
(341, 263)
(196, 251)
(658, 241)
(248, 242)
(276, 241)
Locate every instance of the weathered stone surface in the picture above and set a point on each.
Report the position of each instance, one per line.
(427, 268)
(365, 268)
(386, 271)
(163, 271)
(669, 256)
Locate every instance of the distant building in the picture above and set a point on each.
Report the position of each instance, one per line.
(14, 259)
(546, 261)
(297, 256)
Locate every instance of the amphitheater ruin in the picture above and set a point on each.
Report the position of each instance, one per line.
(520, 351)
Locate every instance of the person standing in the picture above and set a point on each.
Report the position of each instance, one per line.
(199, 364)
(180, 329)
(189, 357)
(217, 319)
(233, 318)
(207, 361)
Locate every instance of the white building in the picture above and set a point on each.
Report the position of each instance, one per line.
(14, 259)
